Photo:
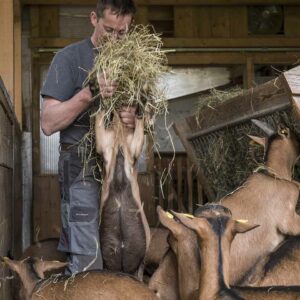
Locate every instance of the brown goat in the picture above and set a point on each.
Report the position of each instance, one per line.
(215, 235)
(164, 281)
(45, 250)
(92, 285)
(158, 248)
(124, 231)
(185, 247)
(280, 267)
(268, 199)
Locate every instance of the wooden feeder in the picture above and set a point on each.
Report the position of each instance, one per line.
(218, 143)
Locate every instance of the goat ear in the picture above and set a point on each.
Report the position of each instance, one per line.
(242, 226)
(188, 220)
(42, 266)
(14, 265)
(259, 140)
(168, 221)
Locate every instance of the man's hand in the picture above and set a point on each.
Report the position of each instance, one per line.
(127, 116)
(106, 87)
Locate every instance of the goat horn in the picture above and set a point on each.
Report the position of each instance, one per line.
(267, 129)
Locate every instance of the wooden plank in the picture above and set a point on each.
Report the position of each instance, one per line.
(199, 192)
(17, 62)
(168, 2)
(220, 25)
(159, 13)
(179, 171)
(292, 21)
(49, 21)
(182, 128)
(263, 99)
(7, 45)
(190, 21)
(46, 207)
(34, 21)
(251, 42)
(17, 209)
(231, 58)
(249, 74)
(141, 16)
(238, 22)
(292, 78)
(190, 185)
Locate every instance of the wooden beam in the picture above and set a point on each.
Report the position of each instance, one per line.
(7, 45)
(169, 2)
(232, 58)
(251, 42)
(249, 74)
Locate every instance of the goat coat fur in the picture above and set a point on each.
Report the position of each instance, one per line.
(124, 231)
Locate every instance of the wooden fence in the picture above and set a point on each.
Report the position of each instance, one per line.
(10, 186)
(176, 184)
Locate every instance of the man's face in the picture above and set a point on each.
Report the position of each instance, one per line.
(110, 24)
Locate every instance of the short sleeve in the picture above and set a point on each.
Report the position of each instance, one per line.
(61, 78)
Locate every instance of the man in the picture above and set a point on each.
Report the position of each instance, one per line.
(66, 108)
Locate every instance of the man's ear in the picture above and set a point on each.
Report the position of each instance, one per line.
(93, 18)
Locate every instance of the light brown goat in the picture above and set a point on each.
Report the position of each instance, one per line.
(91, 285)
(268, 199)
(280, 267)
(124, 231)
(215, 235)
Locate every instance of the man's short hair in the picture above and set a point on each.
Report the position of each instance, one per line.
(121, 7)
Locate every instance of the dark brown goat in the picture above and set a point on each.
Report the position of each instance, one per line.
(268, 199)
(215, 235)
(92, 285)
(124, 231)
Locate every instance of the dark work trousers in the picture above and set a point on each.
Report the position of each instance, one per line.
(80, 194)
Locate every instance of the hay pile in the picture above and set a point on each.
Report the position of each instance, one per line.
(135, 62)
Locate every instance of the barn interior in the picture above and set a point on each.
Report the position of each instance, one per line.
(212, 44)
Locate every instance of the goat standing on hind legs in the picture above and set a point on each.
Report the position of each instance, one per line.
(124, 231)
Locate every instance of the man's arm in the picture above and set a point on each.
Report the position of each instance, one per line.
(57, 115)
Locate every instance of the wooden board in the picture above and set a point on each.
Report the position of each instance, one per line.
(46, 207)
(264, 98)
(251, 42)
(292, 21)
(168, 2)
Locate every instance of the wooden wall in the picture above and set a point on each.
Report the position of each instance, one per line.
(10, 186)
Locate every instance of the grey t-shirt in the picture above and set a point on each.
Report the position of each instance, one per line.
(65, 78)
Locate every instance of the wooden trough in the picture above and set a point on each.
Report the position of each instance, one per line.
(218, 143)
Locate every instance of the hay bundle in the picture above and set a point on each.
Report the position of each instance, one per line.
(135, 62)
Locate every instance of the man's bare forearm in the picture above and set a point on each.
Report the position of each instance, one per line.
(57, 115)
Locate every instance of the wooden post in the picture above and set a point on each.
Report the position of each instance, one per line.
(249, 74)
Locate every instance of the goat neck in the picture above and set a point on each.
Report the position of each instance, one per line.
(188, 261)
(282, 156)
(214, 272)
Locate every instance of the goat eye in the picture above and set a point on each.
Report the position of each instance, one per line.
(284, 131)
